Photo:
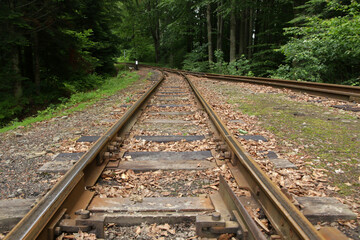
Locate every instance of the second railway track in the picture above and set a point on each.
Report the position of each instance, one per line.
(168, 161)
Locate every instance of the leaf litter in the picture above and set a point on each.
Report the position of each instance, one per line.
(303, 181)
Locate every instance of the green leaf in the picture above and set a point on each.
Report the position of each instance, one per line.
(242, 131)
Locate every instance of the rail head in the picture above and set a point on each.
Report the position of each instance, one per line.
(40, 215)
(289, 221)
(337, 91)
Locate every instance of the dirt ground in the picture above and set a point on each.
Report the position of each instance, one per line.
(322, 141)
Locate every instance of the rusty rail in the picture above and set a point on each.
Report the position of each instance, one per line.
(284, 216)
(349, 93)
(343, 92)
(71, 186)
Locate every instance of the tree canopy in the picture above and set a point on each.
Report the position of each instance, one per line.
(51, 48)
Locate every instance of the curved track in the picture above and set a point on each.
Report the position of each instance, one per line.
(343, 92)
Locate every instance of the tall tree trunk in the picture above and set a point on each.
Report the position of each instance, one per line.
(15, 60)
(36, 61)
(242, 37)
(208, 22)
(220, 25)
(171, 58)
(246, 31)
(251, 32)
(156, 37)
(232, 32)
(157, 47)
(189, 41)
(154, 20)
(189, 31)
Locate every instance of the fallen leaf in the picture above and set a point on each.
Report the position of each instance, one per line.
(242, 131)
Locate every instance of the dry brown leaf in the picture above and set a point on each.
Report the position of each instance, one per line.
(226, 236)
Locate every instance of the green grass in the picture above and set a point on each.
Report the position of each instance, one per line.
(320, 131)
(79, 101)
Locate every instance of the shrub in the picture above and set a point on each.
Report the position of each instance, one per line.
(240, 66)
(324, 50)
(196, 59)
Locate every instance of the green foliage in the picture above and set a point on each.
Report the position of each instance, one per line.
(81, 83)
(240, 66)
(9, 108)
(121, 67)
(196, 59)
(49, 49)
(272, 18)
(324, 50)
(133, 32)
(84, 46)
(77, 101)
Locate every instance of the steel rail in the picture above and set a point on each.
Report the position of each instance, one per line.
(283, 215)
(344, 92)
(41, 214)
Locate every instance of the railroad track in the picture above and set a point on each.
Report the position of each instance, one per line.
(343, 92)
(337, 91)
(145, 169)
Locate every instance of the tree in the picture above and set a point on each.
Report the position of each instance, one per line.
(219, 26)
(232, 31)
(209, 33)
(325, 49)
(47, 45)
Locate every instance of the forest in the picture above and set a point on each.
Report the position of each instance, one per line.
(51, 49)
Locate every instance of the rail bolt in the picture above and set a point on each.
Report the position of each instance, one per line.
(216, 216)
(84, 214)
(57, 231)
(227, 155)
(107, 154)
(118, 139)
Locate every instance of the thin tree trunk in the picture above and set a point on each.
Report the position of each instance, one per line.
(208, 21)
(242, 34)
(246, 31)
(155, 27)
(189, 41)
(219, 30)
(15, 61)
(157, 46)
(156, 37)
(232, 33)
(36, 61)
(251, 28)
(171, 58)
(18, 91)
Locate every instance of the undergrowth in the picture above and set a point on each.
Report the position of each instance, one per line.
(78, 100)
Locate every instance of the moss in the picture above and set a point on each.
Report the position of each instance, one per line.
(334, 141)
(345, 189)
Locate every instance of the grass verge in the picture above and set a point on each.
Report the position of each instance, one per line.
(329, 138)
(332, 139)
(79, 101)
